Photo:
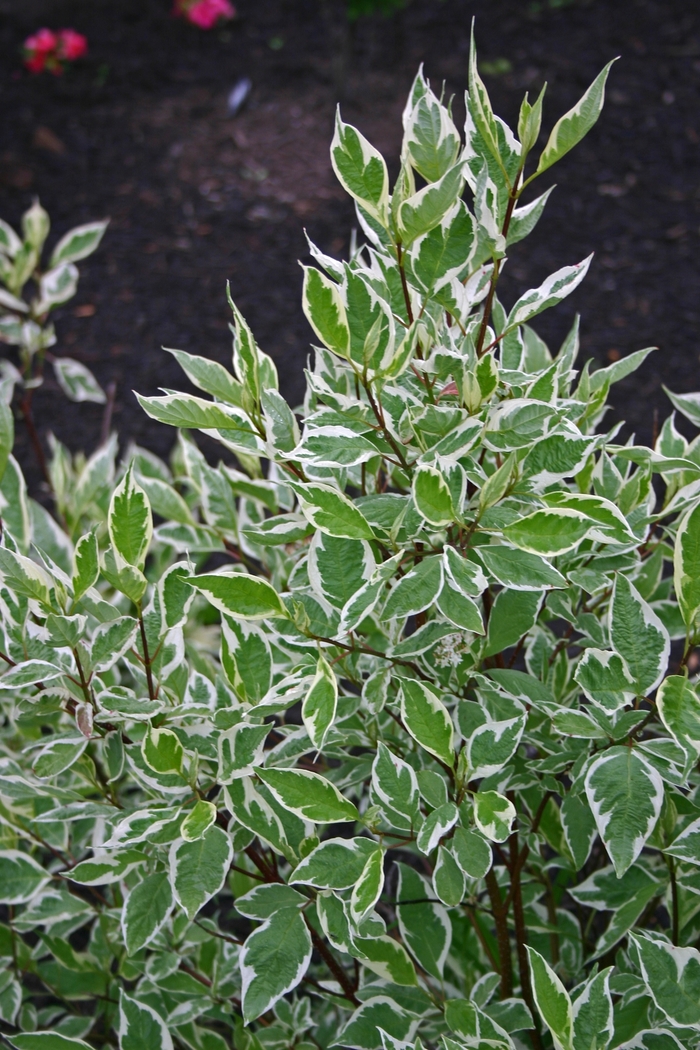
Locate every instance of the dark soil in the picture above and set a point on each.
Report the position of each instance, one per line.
(140, 133)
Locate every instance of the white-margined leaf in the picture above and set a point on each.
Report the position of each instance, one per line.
(140, 1027)
(672, 976)
(577, 122)
(424, 924)
(625, 794)
(638, 635)
(273, 961)
(198, 869)
(146, 910)
(552, 1001)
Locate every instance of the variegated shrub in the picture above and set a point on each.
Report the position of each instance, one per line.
(386, 730)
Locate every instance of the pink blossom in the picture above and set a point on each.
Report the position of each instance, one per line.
(205, 13)
(36, 62)
(71, 45)
(46, 50)
(42, 41)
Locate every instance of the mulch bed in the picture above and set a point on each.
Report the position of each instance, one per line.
(140, 132)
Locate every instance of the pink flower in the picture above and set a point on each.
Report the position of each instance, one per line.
(43, 41)
(36, 62)
(205, 13)
(71, 45)
(50, 51)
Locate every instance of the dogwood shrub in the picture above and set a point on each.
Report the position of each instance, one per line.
(385, 728)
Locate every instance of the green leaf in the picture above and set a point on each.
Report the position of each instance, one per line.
(130, 522)
(240, 749)
(106, 869)
(548, 531)
(459, 609)
(35, 225)
(686, 846)
(431, 139)
(273, 961)
(593, 1014)
(367, 889)
(209, 376)
(332, 512)
(58, 755)
(336, 864)
(267, 898)
(479, 106)
(432, 497)
(425, 927)
(438, 257)
(387, 958)
(21, 878)
(576, 123)
(255, 812)
(238, 594)
(638, 635)
(246, 356)
(246, 658)
(325, 311)
(30, 672)
(395, 788)
(550, 292)
(281, 423)
(472, 852)
(512, 615)
(415, 591)
(339, 568)
(194, 413)
(87, 564)
(436, 826)
(466, 575)
(162, 751)
(199, 819)
(494, 815)
(379, 1014)
(578, 824)
(427, 719)
(492, 745)
(519, 570)
(7, 435)
(320, 703)
(605, 679)
(140, 1027)
(672, 977)
(46, 1041)
(110, 641)
(605, 377)
(360, 169)
(198, 869)
(687, 404)
(529, 121)
(77, 382)
(146, 911)
(427, 208)
(552, 1001)
(625, 794)
(25, 577)
(78, 243)
(686, 567)
(309, 795)
(678, 706)
(449, 881)
(10, 243)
